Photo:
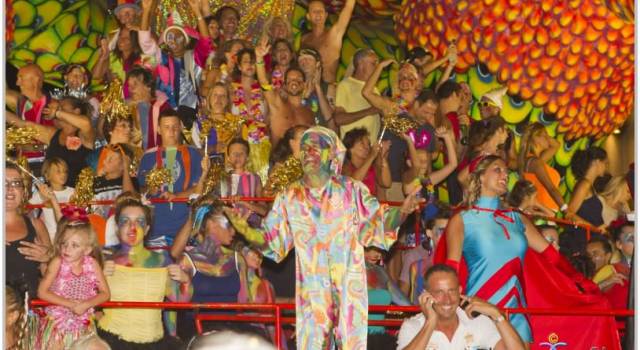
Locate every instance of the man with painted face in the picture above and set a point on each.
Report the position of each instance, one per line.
(179, 69)
(328, 218)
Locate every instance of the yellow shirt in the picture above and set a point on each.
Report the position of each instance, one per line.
(135, 284)
(605, 272)
(349, 97)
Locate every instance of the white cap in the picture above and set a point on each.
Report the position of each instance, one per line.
(496, 95)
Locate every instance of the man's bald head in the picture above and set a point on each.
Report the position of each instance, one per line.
(30, 77)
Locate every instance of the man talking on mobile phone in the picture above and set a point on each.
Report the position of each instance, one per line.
(450, 320)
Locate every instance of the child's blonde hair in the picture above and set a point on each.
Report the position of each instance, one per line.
(15, 302)
(49, 163)
(67, 227)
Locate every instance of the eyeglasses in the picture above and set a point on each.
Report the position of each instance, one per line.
(14, 184)
(628, 238)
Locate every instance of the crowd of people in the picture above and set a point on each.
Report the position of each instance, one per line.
(279, 123)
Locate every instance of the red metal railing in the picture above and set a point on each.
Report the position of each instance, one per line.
(278, 320)
(587, 228)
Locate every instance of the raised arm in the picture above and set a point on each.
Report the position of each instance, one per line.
(382, 103)
(261, 50)
(44, 133)
(197, 12)
(11, 99)
(340, 27)
(452, 59)
(101, 68)
(325, 106)
(82, 122)
(449, 141)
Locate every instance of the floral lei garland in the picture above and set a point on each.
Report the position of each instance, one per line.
(252, 111)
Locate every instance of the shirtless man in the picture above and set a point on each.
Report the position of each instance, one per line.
(328, 42)
(285, 106)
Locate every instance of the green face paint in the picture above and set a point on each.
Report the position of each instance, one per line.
(322, 154)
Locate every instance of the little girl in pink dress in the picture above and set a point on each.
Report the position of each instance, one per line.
(74, 283)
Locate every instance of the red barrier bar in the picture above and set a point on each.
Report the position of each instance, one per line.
(374, 308)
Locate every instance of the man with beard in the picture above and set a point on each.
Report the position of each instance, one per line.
(286, 107)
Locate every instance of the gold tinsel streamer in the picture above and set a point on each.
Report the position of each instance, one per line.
(226, 128)
(158, 177)
(84, 188)
(253, 13)
(216, 174)
(112, 105)
(397, 124)
(16, 136)
(283, 175)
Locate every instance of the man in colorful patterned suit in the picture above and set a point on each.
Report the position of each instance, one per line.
(329, 218)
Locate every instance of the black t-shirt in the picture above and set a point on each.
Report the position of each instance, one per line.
(105, 189)
(18, 270)
(75, 159)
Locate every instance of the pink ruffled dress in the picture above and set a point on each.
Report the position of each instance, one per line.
(60, 324)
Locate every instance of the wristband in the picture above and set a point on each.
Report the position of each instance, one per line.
(564, 207)
(199, 18)
(259, 63)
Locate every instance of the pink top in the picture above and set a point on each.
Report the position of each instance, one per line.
(369, 179)
(75, 287)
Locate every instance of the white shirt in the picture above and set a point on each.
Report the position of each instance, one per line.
(471, 333)
(49, 217)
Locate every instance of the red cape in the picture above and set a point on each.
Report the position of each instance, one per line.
(546, 286)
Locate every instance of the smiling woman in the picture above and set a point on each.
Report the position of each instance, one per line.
(27, 240)
(492, 240)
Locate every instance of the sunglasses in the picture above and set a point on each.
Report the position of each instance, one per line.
(486, 104)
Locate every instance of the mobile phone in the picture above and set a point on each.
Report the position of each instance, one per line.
(463, 306)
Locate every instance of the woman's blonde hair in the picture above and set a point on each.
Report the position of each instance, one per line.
(472, 194)
(67, 227)
(526, 144)
(227, 107)
(613, 188)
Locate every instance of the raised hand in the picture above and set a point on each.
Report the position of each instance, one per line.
(386, 62)
(262, 49)
(426, 301)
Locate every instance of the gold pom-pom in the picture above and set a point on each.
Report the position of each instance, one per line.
(156, 178)
(397, 124)
(16, 136)
(112, 106)
(226, 128)
(84, 188)
(283, 175)
(216, 174)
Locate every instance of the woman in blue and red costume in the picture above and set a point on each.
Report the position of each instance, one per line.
(493, 241)
(487, 245)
